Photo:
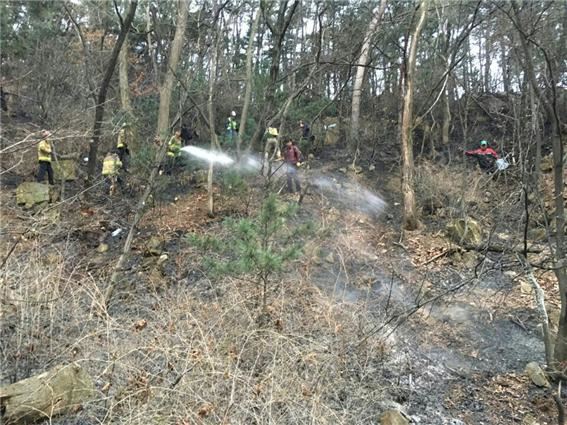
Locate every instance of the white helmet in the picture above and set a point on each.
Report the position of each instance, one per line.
(233, 114)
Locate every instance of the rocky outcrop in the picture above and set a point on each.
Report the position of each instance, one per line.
(465, 231)
(65, 169)
(32, 193)
(58, 391)
(393, 417)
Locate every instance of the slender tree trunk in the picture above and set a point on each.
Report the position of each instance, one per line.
(152, 50)
(560, 261)
(410, 217)
(249, 80)
(167, 87)
(363, 61)
(123, 76)
(278, 30)
(162, 129)
(211, 111)
(99, 110)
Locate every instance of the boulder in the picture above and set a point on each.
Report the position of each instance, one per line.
(529, 420)
(332, 133)
(58, 391)
(31, 193)
(65, 169)
(525, 287)
(466, 231)
(536, 374)
(546, 165)
(154, 246)
(200, 176)
(393, 417)
(102, 248)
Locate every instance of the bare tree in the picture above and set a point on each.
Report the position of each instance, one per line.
(550, 105)
(101, 99)
(249, 80)
(410, 217)
(167, 86)
(363, 61)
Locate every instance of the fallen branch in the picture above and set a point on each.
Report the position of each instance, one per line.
(501, 248)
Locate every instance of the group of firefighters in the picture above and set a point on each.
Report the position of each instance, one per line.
(117, 159)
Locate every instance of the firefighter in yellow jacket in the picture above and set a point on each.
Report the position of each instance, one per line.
(110, 168)
(44, 156)
(173, 151)
(125, 137)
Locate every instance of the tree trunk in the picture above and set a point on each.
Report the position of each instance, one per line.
(560, 262)
(211, 110)
(249, 80)
(410, 219)
(58, 391)
(278, 32)
(363, 61)
(123, 77)
(101, 100)
(167, 87)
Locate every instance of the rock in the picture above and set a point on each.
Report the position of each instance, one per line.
(538, 234)
(525, 287)
(201, 176)
(162, 259)
(343, 170)
(356, 168)
(154, 246)
(65, 169)
(61, 390)
(102, 248)
(310, 157)
(31, 193)
(546, 165)
(330, 258)
(470, 259)
(529, 420)
(466, 231)
(536, 374)
(393, 417)
(371, 167)
(553, 315)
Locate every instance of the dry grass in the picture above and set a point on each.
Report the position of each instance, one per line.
(182, 353)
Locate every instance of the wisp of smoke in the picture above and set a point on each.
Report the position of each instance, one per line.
(208, 155)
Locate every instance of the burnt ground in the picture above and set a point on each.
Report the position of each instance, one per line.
(459, 359)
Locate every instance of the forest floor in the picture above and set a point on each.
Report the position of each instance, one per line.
(440, 333)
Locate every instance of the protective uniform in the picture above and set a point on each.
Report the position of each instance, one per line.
(174, 147)
(111, 165)
(44, 152)
(125, 137)
(110, 168)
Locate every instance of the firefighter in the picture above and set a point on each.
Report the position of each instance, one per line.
(173, 151)
(44, 156)
(292, 157)
(125, 137)
(485, 156)
(110, 167)
(231, 128)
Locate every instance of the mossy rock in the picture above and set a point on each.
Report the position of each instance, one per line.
(65, 169)
(32, 193)
(465, 231)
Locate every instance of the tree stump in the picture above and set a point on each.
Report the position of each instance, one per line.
(58, 391)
